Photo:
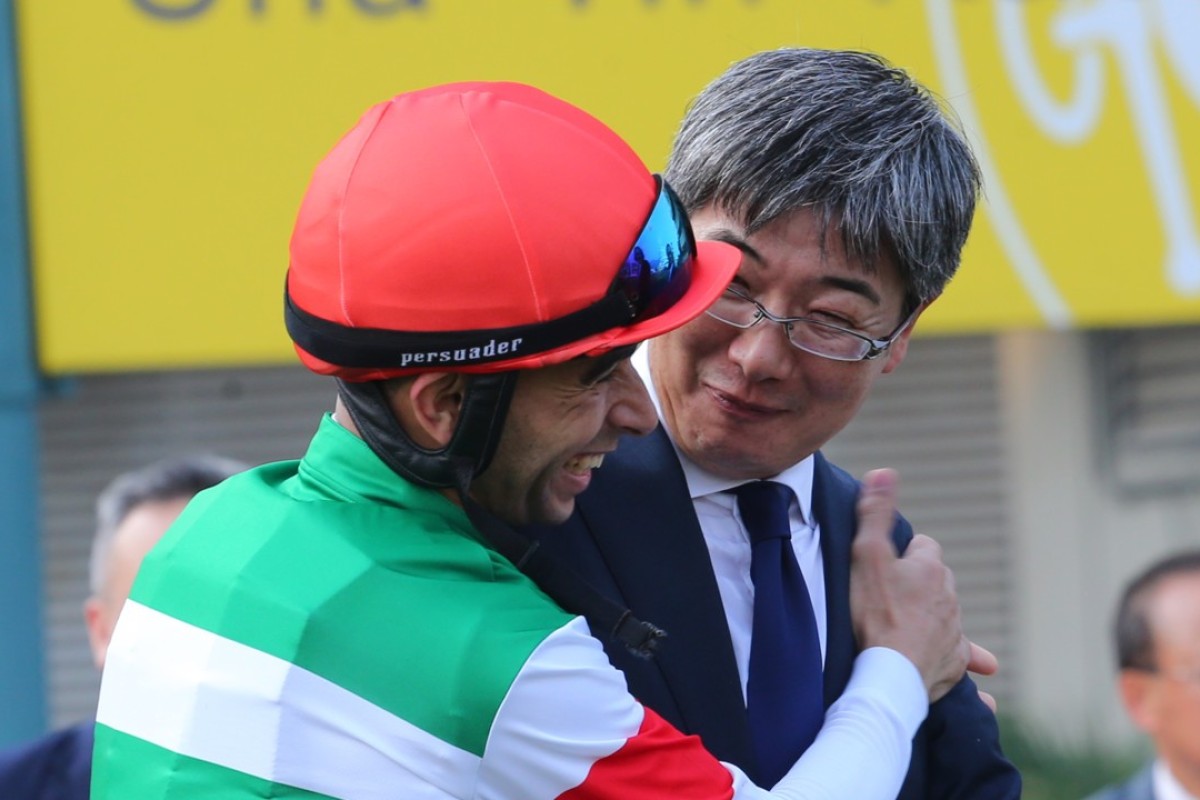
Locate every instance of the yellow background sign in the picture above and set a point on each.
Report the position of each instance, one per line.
(169, 141)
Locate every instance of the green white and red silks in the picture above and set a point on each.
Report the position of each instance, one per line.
(324, 629)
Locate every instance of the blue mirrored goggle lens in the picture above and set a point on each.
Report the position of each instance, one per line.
(658, 270)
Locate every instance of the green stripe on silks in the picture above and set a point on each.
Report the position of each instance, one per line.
(127, 768)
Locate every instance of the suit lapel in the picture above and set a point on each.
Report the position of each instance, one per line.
(642, 518)
(834, 497)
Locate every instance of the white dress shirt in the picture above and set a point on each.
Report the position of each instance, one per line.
(1166, 786)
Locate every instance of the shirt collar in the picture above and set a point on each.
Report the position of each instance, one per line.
(701, 482)
(1166, 786)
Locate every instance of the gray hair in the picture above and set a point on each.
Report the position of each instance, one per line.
(845, 134)
(169, 479)
(1133, 630)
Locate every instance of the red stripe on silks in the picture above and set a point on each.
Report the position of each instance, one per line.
(658, 762)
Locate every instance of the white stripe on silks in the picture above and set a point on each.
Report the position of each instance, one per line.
(567, 709)
(193, 692)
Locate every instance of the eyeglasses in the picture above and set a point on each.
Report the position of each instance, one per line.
(734, 307)
(1188, 676)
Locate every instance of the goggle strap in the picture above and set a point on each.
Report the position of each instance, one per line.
(389, 349)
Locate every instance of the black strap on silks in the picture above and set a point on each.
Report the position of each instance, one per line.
(563, 586)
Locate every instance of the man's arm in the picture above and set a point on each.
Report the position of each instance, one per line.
(957, 753)
(568, 728)
(960, 747)
(906, 603)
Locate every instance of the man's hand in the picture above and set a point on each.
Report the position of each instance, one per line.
(907, 603)
(983, 662)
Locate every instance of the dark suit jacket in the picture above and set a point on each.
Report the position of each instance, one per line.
(1139, 787)
(634, 537)
(56, 767)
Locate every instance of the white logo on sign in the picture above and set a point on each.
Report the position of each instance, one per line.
(1085, 30)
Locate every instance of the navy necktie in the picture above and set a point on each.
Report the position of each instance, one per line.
(783, 690)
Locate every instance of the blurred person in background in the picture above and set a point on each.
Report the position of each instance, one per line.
(1157, 637)
(132, 513)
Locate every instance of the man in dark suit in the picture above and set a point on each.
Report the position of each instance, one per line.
(1158, 655)
(132, 513)
(851, 195)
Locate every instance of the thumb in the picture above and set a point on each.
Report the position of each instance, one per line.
(877, 514)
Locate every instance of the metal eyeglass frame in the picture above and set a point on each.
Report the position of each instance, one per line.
(1189, 676)
(873, 347)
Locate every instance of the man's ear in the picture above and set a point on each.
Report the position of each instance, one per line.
(1138, 694)
(899, 348)
(99, 629)
(428, 406)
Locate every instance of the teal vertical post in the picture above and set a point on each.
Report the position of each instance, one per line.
(22, 686)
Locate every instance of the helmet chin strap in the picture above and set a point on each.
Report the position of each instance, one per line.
(465, 456)
(471, 446)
